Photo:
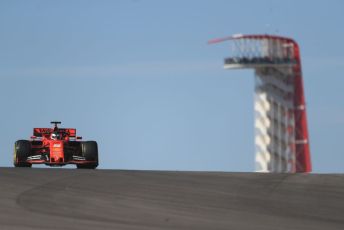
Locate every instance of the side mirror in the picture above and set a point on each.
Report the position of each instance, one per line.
(33, 137)
(79, 138)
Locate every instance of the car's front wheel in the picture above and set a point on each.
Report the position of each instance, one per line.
(89, 150)
(22, 149)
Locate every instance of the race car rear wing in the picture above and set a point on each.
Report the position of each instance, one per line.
(40, 132)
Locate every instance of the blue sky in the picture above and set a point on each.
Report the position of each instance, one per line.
(139, 78)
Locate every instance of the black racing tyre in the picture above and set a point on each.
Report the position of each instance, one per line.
(22, 149)
(89, 150)
(87, 166)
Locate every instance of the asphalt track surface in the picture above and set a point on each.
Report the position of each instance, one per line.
(115, 199)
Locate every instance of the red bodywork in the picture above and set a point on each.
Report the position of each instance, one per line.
(66, 149)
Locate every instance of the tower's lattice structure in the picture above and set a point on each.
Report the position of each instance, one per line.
(281, 135)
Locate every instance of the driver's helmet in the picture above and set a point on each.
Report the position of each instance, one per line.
(55, 136)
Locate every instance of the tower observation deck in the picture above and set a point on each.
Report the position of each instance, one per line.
(281, 134)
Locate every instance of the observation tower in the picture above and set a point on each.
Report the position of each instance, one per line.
(281, 134)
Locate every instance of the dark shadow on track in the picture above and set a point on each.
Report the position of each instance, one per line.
(114, 199)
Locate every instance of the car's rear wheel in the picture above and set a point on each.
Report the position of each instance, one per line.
(89, 150)
(22, 149)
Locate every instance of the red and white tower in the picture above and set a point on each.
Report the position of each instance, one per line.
(281, 135)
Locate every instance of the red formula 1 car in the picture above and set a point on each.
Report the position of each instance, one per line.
(55, 147)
